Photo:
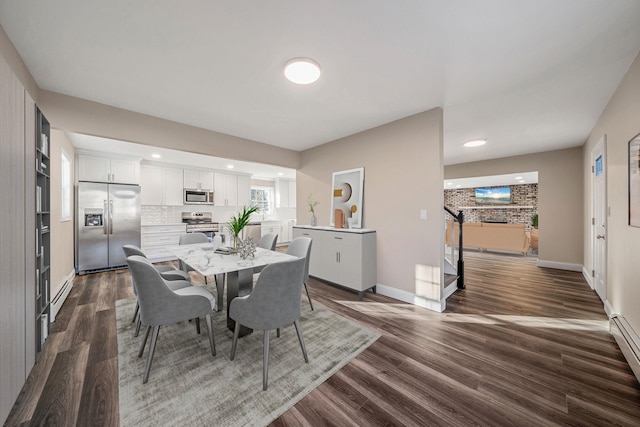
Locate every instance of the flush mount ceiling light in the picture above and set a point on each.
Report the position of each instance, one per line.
(302, 71)
(156, 156)
(476, 143)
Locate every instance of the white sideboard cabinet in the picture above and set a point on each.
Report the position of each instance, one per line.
(345, 257)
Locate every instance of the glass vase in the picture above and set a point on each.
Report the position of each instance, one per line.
(314, 220)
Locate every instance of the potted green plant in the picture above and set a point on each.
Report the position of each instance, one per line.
(312, 208)
(239, 221)
(534, 220)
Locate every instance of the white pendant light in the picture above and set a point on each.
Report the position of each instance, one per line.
(302, 71)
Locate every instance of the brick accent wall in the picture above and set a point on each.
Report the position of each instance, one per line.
(521, 195)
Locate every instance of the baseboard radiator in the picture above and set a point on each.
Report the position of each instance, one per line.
(628, 341)
(60, 297)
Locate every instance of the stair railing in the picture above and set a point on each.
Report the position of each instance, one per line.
(459, 218)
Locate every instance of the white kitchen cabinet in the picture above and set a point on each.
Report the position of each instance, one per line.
(161, 186)
(267, 227)
(244, 190)
(232, 190)
(285, 194)
(155, 238)
(198, 180)
(287, 231)
(347, 258)
(226, 189)
(106, 169)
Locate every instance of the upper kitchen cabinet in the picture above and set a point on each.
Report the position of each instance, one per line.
(244, 190)
(107, 169)
(161, 186)
(198, 180)
(285, 193)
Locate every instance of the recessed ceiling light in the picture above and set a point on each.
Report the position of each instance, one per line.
(476, 143)
(518, 178)
(458, 186)
(280, 174)
(522, 181)
(229, 166)
(449, 183)
(156, 155)
(302, 71)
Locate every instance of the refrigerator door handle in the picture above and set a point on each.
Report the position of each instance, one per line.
(104, 221)
(110, 216)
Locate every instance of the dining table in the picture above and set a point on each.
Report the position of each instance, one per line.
(211, 259)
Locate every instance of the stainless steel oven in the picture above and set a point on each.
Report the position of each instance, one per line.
(200, 222)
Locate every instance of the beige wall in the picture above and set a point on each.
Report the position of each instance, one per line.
(560, 200)
(620, 122)
(403, 174)
(81, 116)
(62, 239)
(10, 54)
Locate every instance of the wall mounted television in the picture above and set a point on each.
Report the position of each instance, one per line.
(493, 196)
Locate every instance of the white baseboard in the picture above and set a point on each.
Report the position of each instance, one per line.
(587, 276)
(60, 297)
(411, 298)
(608, 308)
(628, 341)
(559, 265)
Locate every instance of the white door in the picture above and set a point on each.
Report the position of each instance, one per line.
(599, 221)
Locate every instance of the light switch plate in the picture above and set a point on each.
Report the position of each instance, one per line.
(423, 214)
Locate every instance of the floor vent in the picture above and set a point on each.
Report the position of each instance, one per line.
(628, 341)
(61, 296)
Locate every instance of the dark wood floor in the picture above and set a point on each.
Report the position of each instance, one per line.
(521, 346)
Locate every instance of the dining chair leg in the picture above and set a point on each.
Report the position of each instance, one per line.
(138, 327)
(236, 332)
(152, 350)
(308, 296)
(265, 361)
(278, 332)
(212, 342)
(198, 325)
(144, 341)
(135, 313)
(299, 331)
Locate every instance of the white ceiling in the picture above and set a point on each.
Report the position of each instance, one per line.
(528, 76)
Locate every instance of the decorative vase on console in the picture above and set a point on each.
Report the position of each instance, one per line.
(312, 208)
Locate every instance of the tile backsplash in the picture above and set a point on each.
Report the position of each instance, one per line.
(161, 215)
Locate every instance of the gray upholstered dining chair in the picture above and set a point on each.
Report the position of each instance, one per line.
(161, 306)
(301, 247)
(268, 241)
(190, 239)
(273, 304)
(178, 278)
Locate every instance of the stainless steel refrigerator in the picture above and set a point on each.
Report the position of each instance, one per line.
(108, 217)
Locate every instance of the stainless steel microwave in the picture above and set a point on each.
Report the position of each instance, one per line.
(198, 197)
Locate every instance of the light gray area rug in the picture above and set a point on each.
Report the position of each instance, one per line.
(188, 386)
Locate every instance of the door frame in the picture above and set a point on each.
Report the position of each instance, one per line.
(600, 149)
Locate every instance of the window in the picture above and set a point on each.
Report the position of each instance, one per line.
(263, 197)
(65, 186)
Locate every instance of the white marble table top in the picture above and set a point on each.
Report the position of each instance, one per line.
(203, 258)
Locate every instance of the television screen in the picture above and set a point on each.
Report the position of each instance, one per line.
(493, 196)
